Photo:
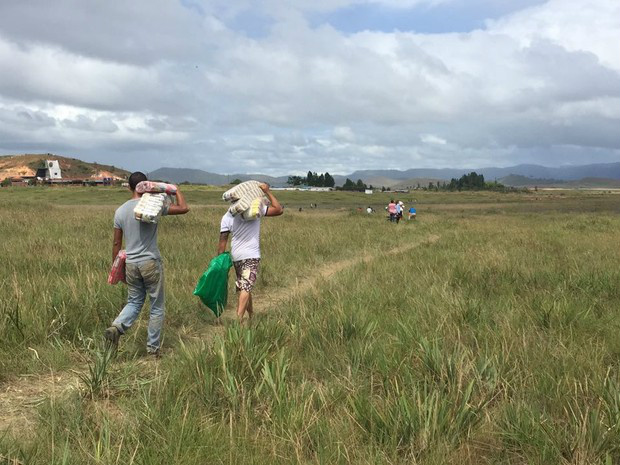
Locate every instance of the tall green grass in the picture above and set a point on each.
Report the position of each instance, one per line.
(497, 343)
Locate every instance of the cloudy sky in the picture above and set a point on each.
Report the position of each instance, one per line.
(284, 86)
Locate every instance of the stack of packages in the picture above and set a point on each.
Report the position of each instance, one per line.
(248, 199)
(155, 199)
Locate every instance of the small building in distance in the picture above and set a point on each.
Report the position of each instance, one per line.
(50, 172)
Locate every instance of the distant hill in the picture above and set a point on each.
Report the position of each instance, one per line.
(27, 165)
(401, 179)
(588, 182)
(562, 173)
(415, 182)
(517, 180)
(194, 176)
(380, 181)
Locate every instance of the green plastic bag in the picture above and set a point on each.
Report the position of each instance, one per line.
(212, 287)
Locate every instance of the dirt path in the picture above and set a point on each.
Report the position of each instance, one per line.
(20, 397)
(329, 270)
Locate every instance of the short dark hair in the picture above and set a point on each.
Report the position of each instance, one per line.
(135, 179)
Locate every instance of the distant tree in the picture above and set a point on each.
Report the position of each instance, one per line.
(382, 188)
(5, 182)
(348, 185)
(360, 185)
(236, 181)
(295, 180)
(310, 179)
(329, 180)
(471, 181)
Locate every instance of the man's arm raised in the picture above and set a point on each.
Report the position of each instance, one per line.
(181, 207)
(275, 209)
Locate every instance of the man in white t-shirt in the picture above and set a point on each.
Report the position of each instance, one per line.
(245, 249)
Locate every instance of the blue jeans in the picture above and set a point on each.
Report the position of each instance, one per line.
(144, 278)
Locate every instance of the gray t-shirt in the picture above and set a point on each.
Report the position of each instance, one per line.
(140, 238)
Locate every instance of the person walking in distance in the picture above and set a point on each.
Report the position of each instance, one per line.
(391, 208)
(245, 249)
(144, 269)
(399, 211)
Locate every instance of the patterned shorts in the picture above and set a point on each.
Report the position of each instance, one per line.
(247, 271)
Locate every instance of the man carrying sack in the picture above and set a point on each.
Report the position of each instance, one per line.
(245, 244)
(144, 271)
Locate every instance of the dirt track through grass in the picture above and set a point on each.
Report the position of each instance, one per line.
(20, 397)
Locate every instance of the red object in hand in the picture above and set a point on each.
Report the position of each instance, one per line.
(117, 272)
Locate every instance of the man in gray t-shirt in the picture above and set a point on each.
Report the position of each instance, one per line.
(143, 269)
(140, 237)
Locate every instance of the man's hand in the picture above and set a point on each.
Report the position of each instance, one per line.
(181, 207)
(221, 245)
(275, 209)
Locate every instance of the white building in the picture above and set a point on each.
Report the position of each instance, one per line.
(52, 169)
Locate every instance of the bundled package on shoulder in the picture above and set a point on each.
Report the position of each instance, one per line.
(153, 187)
(255, 210)
(247, 199)
(150, 207)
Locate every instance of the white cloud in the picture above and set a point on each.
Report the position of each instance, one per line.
(432, 139)
(172, 84)
(592, 26)
(344, 134)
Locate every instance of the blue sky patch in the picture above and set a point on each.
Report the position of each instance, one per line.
(456, 16)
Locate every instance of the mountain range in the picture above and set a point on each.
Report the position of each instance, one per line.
(591, 175)
(520, 175)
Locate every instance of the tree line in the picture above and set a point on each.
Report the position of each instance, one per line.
(468, 182)
(312, 179)
(354, 186)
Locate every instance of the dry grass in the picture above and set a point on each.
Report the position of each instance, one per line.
(485, 334)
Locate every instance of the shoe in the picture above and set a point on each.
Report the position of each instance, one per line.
(155, 353)
(112, 335)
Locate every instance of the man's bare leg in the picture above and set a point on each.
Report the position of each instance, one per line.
(244, 301)
(250, 308)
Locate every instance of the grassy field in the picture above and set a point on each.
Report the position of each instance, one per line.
(484, 332)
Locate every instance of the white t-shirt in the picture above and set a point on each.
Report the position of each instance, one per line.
(245, 242)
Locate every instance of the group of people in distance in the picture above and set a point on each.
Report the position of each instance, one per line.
(395, 210)
(144, 270)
